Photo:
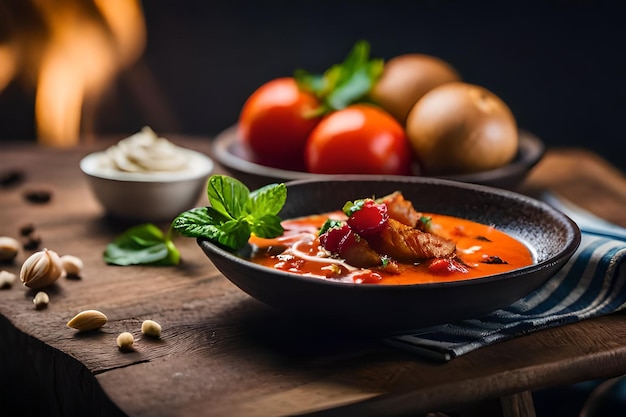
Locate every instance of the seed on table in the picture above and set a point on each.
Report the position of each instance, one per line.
(41, 300)
(11, 178)
(9, 248)
(88, 320)
(125, 341)
(151, 328)
(27, 229)
(7, 279)
(38, 196)
(31, 242)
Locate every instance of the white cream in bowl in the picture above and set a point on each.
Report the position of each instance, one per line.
(145, 177)
(146, 157)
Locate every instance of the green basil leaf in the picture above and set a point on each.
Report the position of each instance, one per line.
(344, 83)
(267, 226)
(173, 254)
(309, 82)
(125, 256)
(235, 213)
(234, 234)
(355, 77)
(267, 200)
(143, 244)
(200, 222)
(148, 233)
(353, 89)
(227, 196)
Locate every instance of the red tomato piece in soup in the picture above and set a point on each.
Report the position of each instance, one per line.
(446, 266)
(275, 123)
(336, 238)
(360, 139)
(369, 219)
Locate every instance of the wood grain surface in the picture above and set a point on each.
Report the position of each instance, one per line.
(223, 353)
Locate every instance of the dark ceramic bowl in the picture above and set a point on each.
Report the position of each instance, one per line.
(228, 151)
(389, 309)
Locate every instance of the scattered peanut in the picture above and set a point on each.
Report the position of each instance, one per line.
(125, 341)
(7, 279)
(41, 300)
(151, 328)
(88, 320)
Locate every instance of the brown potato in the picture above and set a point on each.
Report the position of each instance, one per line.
(406, 78)
(460, 128)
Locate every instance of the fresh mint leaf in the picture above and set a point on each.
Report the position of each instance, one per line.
(234, 213)
(309, 82)
(353, 90)
(235, 234)
(227, 195)
(200, 222)
(143, 244)
(355, 77)
(207, 222)
(267, 226)
(345, 83)
(267, 200)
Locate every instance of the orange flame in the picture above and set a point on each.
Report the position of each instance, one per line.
(88, 43)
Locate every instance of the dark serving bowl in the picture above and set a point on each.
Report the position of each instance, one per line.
(389, 309)
(227, 151)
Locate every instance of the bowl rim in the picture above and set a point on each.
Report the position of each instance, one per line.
(530, 151)
(573, 235)
(203, 166)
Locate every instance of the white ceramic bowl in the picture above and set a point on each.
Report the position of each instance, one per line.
(148, 197)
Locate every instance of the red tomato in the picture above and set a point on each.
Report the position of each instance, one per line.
(446, 266)
(275, 123)
(369, 219)
(360, 139)
(338, 239)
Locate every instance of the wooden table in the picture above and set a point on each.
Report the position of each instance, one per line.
(223, 353)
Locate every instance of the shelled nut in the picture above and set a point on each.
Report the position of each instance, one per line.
(88, 320)
(151, 328)
(41, 300)
(9, 248)
(7, 279)
(125, 341)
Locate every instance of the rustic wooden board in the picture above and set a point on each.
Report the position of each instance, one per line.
(223, 353)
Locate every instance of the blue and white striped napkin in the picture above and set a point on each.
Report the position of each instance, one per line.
(591, 284)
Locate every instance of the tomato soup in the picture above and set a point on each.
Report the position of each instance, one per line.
(481, 250)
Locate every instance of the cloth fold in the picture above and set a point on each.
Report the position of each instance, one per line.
(591, 284)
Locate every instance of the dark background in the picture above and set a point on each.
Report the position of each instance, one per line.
(559, 65)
